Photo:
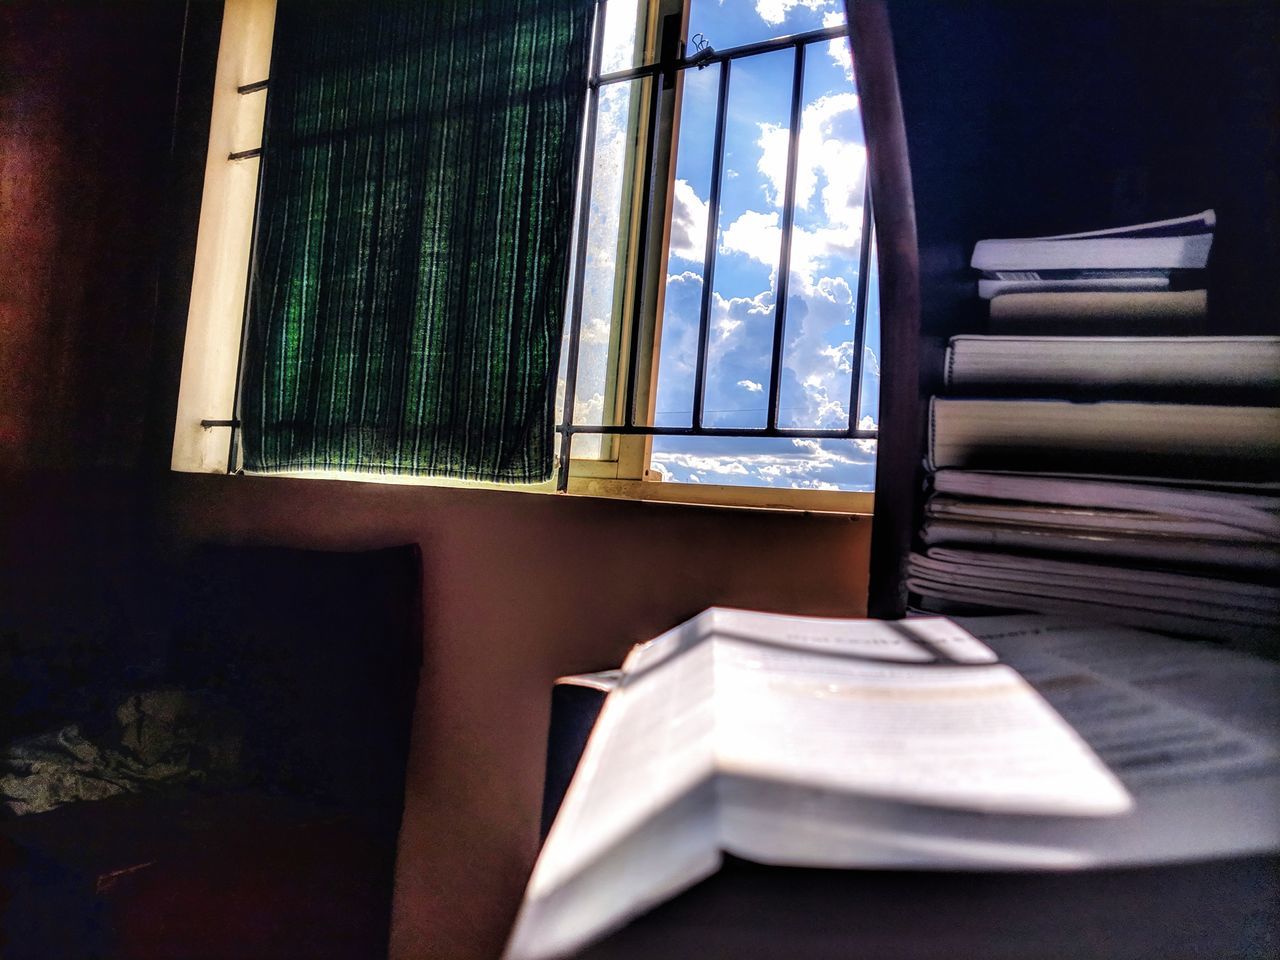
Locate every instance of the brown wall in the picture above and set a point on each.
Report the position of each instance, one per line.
(96, 223)
(519, 588)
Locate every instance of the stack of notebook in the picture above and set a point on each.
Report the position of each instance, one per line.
(1094, 456)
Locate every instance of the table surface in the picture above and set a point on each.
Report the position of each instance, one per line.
(1219, 909)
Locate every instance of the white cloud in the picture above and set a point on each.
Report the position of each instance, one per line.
(835, 289)
(679, 345)
(825, 148)
(774, 142)
(872, 362)
(819, 348)
(840, 356)
(756, 234)
(759, 236)
(866, 446)
(810, 249)
(816, 383)
(726, 325)
(590, 410)
(595, 331)
(724, 465)
(688, 223)
(607, 177)
(809, 464)
(830, 168)
(838, 49)
(773, 12)
(729, 316)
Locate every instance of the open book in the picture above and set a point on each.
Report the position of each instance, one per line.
(835, 743)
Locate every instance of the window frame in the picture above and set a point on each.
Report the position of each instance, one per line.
(626, 466)
(205, 432)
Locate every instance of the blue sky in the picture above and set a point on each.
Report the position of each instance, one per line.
(823, 280)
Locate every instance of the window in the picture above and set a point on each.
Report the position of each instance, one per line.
(667, 117)
(723, 317)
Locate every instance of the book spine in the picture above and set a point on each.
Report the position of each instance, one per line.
(1151, 307)
(1246, 369)
(989, 288)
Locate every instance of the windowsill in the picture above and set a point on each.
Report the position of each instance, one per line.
(789, 499)
(784, 500)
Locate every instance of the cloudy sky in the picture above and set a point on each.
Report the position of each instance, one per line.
(817, 358)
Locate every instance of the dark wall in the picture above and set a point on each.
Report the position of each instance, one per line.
(86, 106)
(1032, 118)
(100, 200)
(87, 99)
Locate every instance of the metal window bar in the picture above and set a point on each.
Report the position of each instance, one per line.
(663, 71)
(251, 277)
(784, 254)
(709, 254)
(860, 324)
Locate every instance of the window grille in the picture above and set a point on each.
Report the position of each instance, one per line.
(671, 62)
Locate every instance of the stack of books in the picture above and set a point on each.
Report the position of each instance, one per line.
(1098, 454)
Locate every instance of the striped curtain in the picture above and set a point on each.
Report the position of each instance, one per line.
(413, 239)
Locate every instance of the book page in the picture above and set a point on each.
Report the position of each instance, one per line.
(802, 717)
(639, 821)
(1188, 729)
(1238, 690)
(1175, 226)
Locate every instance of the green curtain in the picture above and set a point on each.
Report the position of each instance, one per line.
(413, 238)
